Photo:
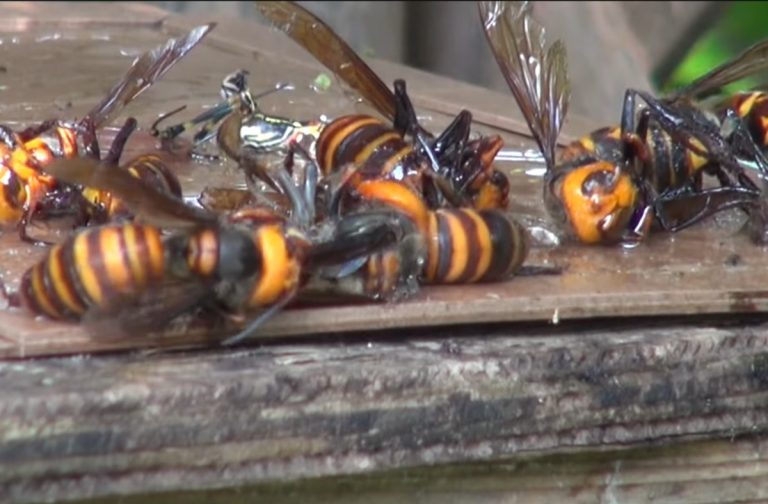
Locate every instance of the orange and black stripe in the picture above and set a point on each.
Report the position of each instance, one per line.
(398, 195)
(21, 180)
(149, 168)
(670, 165)
(101, 267)
(468, 246)
(279, 269)
(368, 143)
(382, 274)
(152, 170)
(45, 148)
(597, 198)
(93, 269)
(378, 151)
(203, 253)
(463, 245)
(601, 143)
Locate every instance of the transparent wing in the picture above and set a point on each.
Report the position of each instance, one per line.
(140, 314)
(751, 61)
(225, 199)
(144, 200)
(537, 76)
(144, 72)
(328, 48)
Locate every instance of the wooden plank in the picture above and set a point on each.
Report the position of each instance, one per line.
(711, 269)
(716, 472)
(76, 428)
(594, 284)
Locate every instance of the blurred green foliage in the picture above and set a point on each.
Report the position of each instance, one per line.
(743, 24)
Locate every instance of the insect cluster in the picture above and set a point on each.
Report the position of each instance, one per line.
(618, 183)
(358, 206)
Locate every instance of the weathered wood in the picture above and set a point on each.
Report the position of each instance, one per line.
(76, 428)
(713, 472)
(193, 82)
(709, 270)
(667, 276)
(372, 401)
(593, 283)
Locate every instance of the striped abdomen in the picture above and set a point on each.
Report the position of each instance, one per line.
(368, 143)
(148, 168)
(383, 273)
(463, 245)
(94, 269)
(466, 246)
(670, 165)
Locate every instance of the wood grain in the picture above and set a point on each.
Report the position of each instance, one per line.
(77, 428)
(536, 388)
(667, 275)
(716, 472)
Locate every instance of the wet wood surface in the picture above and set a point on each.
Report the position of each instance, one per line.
(547, 366)
(667, 275)
(270, 57)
